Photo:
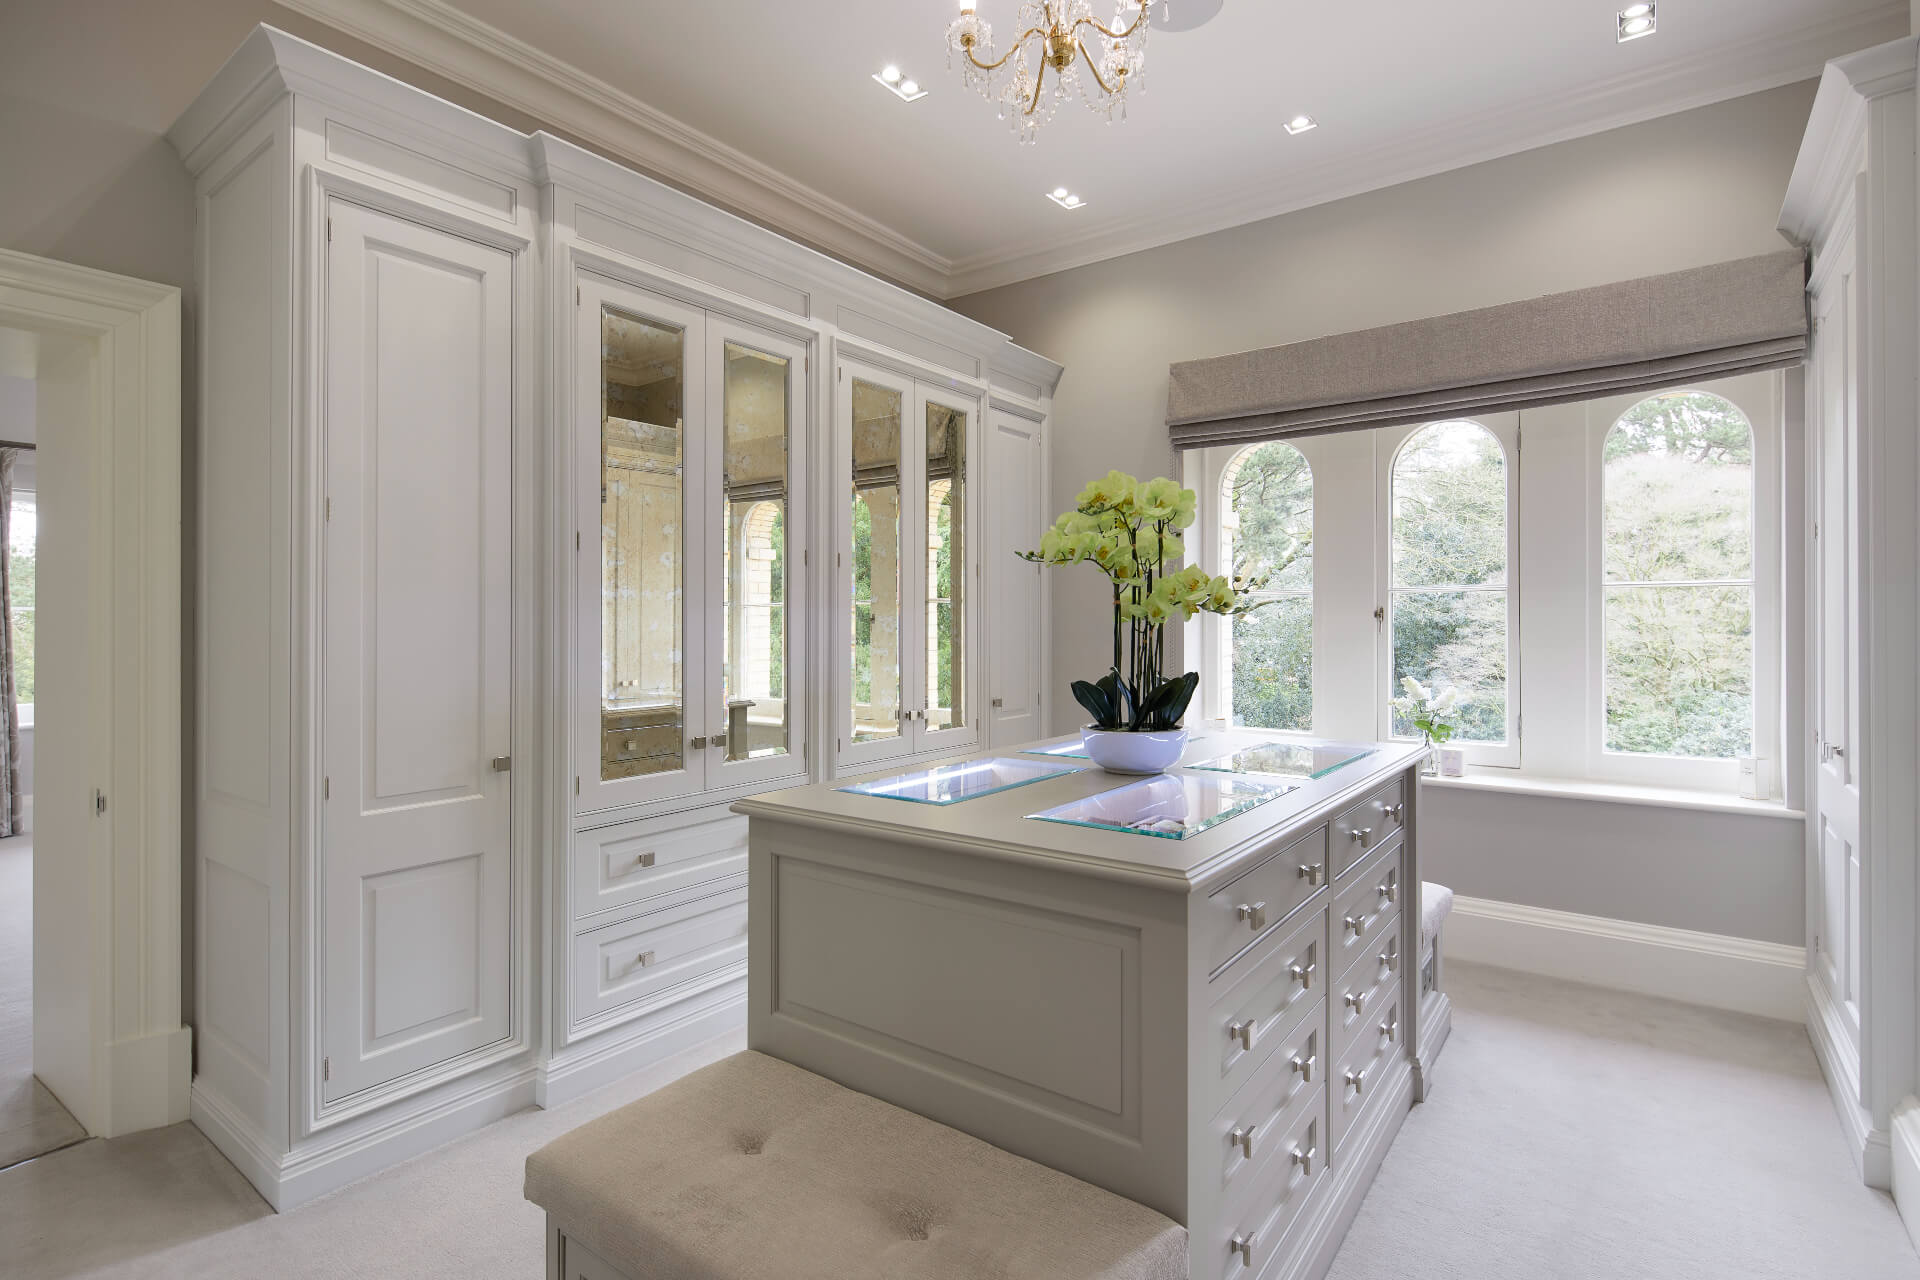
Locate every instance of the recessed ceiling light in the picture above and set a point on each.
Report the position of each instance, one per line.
(1637, 20)
(1300, 124)
(899, 84)
(1066, 199)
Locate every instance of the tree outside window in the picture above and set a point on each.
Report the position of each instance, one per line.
(1678, 590)
(1267, 528)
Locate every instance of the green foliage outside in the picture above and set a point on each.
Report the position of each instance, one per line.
(862, 601)
(945, 692)
(1271, 491)
(1679, 510)
(777, 612)
(20, 588)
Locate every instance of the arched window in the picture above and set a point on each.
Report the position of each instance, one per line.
(1678, 581)
(1267, 529)
(1447, 574)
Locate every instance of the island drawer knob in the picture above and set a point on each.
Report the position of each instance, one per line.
(1393, 812)
(1358, 924)
(1243, 1032)
(1360, 835)
(1390, 958)
(1302, 974)
(1358, 1079)
(1305, 1067)
(1356, 1000)
(1311, 872)
(1254, 913)
(1242, 1137)
(1242, 1244)
(1305, 1159)
(1390, 890)
(1391, 1027)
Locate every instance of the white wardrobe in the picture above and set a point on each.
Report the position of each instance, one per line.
(543, 512)
(1852, 201)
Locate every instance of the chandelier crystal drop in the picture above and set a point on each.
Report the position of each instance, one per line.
(1062, 49)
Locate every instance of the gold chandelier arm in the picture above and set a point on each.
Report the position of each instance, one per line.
(1104, 86)
(1038, 80)
(1013, 49)
(1115, 35)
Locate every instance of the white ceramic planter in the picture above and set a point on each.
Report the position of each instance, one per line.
(1127, 751)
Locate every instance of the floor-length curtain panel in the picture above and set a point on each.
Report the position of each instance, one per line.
(9, 710)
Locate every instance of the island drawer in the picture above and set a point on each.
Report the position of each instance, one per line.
(1251, 1234)
(1366, 825)
(1364, 908)
(1359, 996)
(660, 956)
(1267, 1004)
(619, 866)
(1248, 1128)
(1363, 1068)
(1240, 913)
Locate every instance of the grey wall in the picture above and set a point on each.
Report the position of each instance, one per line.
(1699, 187)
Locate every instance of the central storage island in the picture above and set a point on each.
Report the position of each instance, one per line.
(1193, 989)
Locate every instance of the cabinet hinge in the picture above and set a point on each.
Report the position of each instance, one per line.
(576, 784)
(576, 539)
(806, 557)
(576, 295)
(843, 375)
(1816, 528)
(99, 801)
(326, 788)
(329, 511)
(329, 230)
(326, 1068)
(839, 744)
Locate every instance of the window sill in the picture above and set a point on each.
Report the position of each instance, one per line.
(1614, 793)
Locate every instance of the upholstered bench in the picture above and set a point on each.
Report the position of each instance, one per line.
(753, 1169)
(1436, 1011)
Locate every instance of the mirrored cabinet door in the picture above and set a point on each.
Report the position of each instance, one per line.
(758, 455)
(944, 716)
(641, 391)
(874, 408)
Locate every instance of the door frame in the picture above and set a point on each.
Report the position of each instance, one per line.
(134, 1070)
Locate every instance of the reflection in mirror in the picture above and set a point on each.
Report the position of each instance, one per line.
(878, 424)
(946, 519)
(642, 544)
(757, 413)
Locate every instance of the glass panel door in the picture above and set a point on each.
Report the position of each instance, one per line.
(945, 585)
(641, 390)
(758, 456)
(876, 449)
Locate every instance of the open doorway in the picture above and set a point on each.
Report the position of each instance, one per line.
(32, 1120)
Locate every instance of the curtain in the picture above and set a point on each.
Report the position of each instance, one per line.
(1646, 334)
(9, 738)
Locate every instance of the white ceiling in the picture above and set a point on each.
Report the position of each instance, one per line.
(772, 104)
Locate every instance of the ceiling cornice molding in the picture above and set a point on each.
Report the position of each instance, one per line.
(1728, 72)
(447, 42)
(450, 43)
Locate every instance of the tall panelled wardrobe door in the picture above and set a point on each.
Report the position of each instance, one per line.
(756, 458)
(416, 673)
(1834, 880)
(1015, 466)
(640, 402)
(874, 569)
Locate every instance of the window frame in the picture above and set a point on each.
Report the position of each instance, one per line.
(1220, 650)
(1390, 442)
(1759, 399)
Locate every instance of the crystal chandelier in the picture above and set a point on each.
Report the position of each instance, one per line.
(1060, 35)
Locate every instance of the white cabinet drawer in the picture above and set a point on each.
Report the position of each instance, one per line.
(679, 855)
(1250, 1126)
(1360, 998)
(1361, 828)
(1363, 1068)
(1239, 914)
(626, 968)
(1250, 1236)
(1364, 911)
(1265, 1005)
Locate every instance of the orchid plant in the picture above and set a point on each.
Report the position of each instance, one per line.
(1428, 709)
(1130, 529)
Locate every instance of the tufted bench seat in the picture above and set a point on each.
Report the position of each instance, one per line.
(754, 1169)
(1436, 1011)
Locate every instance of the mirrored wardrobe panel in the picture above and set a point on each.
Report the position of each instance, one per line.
(879, 413)
(757, 411)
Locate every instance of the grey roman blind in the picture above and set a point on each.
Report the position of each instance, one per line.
(1637, 335)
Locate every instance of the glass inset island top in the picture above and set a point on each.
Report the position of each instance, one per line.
(1171, 806)
(1287, 759)
(952, 783)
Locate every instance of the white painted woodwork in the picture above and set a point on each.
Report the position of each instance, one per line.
(1015, 506)
(1853, 202)
(417, 675)
(370, 964)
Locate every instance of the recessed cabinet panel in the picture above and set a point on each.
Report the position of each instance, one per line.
(946, 633)
(643, 543)
(879, 416)
(1015, 466)
(757, 413)
(415, 926)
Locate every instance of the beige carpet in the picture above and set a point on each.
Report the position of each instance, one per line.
(1575, 1135)
(32, 1121)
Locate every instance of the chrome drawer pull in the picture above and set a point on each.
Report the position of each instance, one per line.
(1391, 1027)
(1390, 891)
(1302, 974)
(1390, 958)
(1311, 872)
(1358, 1079)
(1305, 1159)
(641, 961)
(1358, 924)
(1242, 1137)
(1356, 1000)
(1360, 835)
(1255, 914)
(642, 860)
(1305, 1067)
(1242, 1244)
(1243, 1032)
(699, 744)
(1393, 812)
(719, 739)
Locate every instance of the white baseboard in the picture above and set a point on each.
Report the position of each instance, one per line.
(149, 1077)
(1839, 1059)
(604, 1058)
(1904, 1153)
(1740, 974)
